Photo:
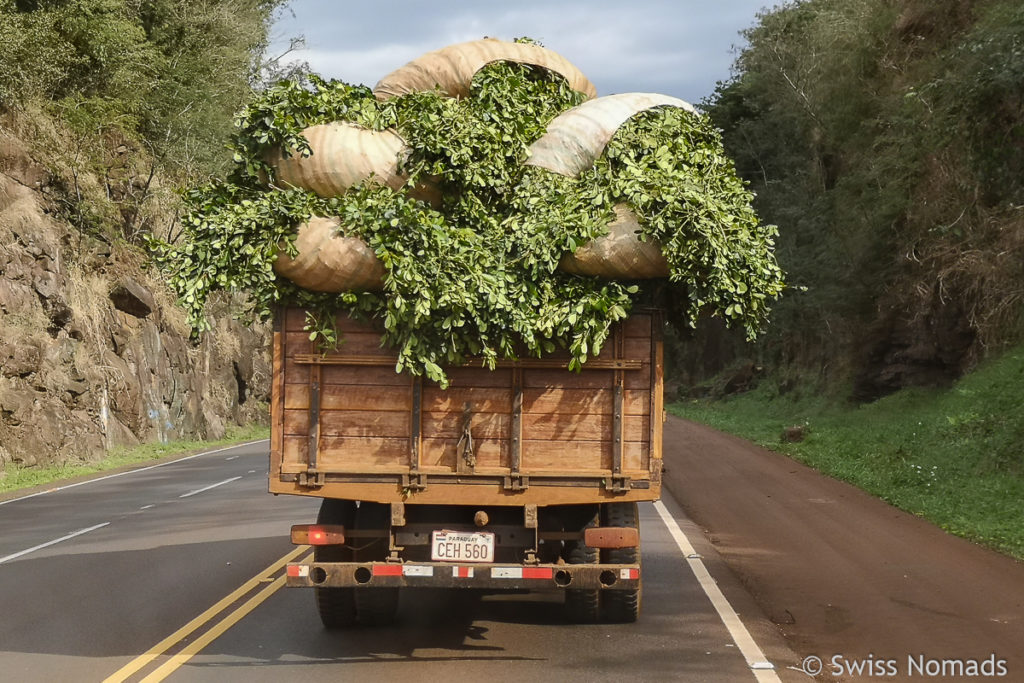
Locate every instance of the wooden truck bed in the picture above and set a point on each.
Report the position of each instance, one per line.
(531, 432)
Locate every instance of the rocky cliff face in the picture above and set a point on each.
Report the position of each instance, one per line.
(93, 352)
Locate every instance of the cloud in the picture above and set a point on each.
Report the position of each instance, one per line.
(678, 48)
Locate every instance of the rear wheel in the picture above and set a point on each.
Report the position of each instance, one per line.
(621, 606)
(375, 606)
(582, 606)
(336, 606)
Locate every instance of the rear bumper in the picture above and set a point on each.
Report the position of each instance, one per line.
(449, 575)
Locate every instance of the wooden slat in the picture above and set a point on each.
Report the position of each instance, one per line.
(595, 379)
(548, 456)
(571, 401)
(635, 456)
(296, 343)
(295, 321)
(350, 397)
(593, 427)
(539, 455)
(346, 453)
(637, 348)
(448, 425)
(350, 423)
(637, 325)
(380, 376)
(294, 373)
(639, 380)
(578, 401)
(437, 452)
(484, 400)
(479, 377)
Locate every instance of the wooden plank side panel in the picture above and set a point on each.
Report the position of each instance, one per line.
(364, 423)
(582, 427)
(439, 452)
(591, 456)
(353, 344)
(479, 377)
(295, 321)
(449, 425)
(347, 454)
(350, 397)
(583, 401)
(554, 379)
(479, 399)
(566, 417)
(638, 325)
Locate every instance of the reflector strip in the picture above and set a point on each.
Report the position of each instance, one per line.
(521, 572)
(417, 570)
(298, 570)
(506, 572)
(387, 570)
(629, 574)
(462, 572)
(537, 572)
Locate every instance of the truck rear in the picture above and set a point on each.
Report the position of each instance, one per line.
(526, 476)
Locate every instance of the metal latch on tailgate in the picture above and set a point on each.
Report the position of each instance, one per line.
(618, 484)
(517, 482)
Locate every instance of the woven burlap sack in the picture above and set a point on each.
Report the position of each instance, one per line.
(452, 68)
(344, 155)
(329, 262)
(619, 255)
(577, 137)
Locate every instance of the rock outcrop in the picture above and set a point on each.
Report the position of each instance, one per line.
(93, 352)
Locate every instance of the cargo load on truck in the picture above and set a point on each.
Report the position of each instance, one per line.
(468, 268)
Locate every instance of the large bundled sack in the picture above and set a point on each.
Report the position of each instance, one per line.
(452, 68)
(572, 144)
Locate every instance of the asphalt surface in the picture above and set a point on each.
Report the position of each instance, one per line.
(94, 577)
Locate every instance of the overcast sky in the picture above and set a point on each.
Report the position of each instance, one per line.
(677, 48)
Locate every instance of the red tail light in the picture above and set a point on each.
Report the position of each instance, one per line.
(318, 534)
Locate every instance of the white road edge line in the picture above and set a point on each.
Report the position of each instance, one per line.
(121, 474)
(756, 660)
(53, 542)
(211, 486)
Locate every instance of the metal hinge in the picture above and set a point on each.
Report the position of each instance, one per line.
(517, 482)
(414, 481)
(618, 484)
(311, 479)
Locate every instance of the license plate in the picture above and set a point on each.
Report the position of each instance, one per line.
(462, 546)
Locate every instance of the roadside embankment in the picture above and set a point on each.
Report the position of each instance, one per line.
(952, 456)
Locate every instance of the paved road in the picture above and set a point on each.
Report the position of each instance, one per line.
(94, 577)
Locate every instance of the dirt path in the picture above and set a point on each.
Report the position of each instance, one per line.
(842, 572)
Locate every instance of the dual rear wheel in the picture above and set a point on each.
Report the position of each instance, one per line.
(343, 607)
(617, 606)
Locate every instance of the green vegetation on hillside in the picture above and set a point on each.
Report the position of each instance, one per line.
(126, 102)
(953, 456)
(886, 140)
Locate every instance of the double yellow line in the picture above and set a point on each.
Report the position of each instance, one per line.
(177, 660)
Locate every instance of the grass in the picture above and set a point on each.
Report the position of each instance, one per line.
(953, 456)
(16, 477)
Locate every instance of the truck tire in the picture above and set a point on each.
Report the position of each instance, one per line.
(582, 606)
(620, 606)
(337, 606)
(375, 606)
